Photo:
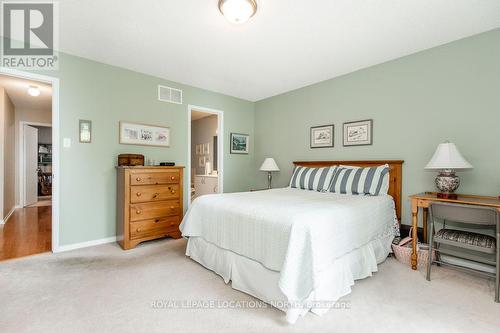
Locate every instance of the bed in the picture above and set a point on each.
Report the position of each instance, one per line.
(297, 250)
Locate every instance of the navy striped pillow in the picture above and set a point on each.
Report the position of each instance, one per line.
(315, 179)
(372, 181)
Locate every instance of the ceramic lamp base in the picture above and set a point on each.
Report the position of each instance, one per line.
(447, 183)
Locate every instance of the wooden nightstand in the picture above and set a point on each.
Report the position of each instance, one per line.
(423, 200)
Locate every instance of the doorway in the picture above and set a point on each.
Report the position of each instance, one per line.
(205, 152)
(35, 164)
(26, 175)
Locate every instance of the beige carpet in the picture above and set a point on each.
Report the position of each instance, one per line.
(105, 289)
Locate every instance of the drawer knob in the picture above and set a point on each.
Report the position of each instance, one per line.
(172, 207)
(138, 179)
(172, 224)
(156, 195)
(138, 194)
(173, 191)
(138, 211)
(172, 177)
(157, 220)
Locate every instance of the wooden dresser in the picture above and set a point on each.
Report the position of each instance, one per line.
(149, 203)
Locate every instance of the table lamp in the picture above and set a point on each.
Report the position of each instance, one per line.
(269, 165)
(447, 159)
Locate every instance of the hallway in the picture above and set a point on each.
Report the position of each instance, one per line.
(28, 231)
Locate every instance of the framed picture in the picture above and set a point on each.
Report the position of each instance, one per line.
(239, 143)
(206, 149)
(144, 135)
(358, 133)
(198, 150)
(201, 161)
(322, 136)
(85, 127)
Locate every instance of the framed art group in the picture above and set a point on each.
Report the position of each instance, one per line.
(144, 135)
(355, 133)
(202, 149)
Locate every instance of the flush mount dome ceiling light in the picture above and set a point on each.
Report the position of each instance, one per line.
(34, 91)
(238, 11)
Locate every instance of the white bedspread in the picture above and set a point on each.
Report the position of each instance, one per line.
(298, 233)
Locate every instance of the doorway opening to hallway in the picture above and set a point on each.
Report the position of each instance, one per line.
(26, 167)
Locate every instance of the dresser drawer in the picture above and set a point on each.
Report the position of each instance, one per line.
(154, 178)
(150, 210)
(154, 227)
(147, 193)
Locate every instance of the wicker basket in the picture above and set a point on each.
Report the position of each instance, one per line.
(403, 251)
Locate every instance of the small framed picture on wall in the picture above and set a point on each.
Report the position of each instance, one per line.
(322, 136)
(358, 133)
(85, 131)
(239, 143)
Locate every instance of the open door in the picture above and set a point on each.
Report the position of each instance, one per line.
(31, 165)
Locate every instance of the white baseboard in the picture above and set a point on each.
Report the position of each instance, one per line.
(69, 247)
(6, 218)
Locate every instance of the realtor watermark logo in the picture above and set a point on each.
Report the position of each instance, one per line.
(30, 35)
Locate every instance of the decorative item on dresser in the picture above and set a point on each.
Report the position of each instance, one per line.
(130, 159)
(149, 203)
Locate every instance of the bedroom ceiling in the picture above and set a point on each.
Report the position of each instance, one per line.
(288, 44)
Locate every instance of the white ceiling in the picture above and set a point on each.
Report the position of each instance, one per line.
(17, 89)
(288, 44)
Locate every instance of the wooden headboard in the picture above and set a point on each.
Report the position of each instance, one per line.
(395, 175)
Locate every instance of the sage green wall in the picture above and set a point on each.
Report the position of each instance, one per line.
(451, 92)
(106, 95)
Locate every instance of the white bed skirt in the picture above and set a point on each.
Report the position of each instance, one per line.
(251, 277)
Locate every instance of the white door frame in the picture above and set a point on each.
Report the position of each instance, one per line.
(22, 160)
(56, 186)
(220, 147)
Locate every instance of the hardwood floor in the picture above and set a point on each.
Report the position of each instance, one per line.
(28, 231)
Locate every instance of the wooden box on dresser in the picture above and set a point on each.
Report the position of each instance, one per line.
(149, 203)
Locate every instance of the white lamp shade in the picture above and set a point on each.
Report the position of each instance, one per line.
(447, 156)
(269, 165)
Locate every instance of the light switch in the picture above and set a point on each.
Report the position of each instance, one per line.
(67, 142)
